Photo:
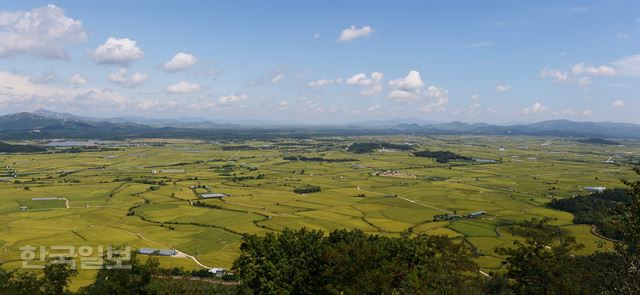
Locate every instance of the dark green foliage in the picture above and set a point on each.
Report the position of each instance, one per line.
(317, 159)
(544, 263)
(595, 140)
(54, 281)
(205, 205)
(624, 277)
(352, 262)
(595, 209)
(367, 147)
(238, 148)
(20, 148)
(307, 189)
(441, 156)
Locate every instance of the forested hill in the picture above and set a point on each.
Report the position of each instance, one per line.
(47, 125)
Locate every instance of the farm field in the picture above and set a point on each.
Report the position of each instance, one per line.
(144, 194)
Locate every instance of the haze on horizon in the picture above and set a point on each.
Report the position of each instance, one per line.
(323, 62)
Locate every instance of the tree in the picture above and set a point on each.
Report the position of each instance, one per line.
(543, 263)
(352, 262)
(624, 277)
(54, 281)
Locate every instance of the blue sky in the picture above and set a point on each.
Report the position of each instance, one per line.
(323, 61)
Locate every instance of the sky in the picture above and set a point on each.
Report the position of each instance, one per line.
(323, 62)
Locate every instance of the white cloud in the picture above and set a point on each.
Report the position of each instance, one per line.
(555, 74)
(43, 31)
(475, 97)
(478, 44)
(403, 95)
(624, 36)
(501, 87)
(20, 92)
(183, 87)
(536, 108)
(283, 105)
(46, 77)
(439, 99)
(373, 83)
(352, 33)
(374, 107)
(121, 78)
(582, 68)
(584, 81)
(618, 103)
(117, 51)
(77, 79)
(277, 78)
(410, 88)
(324, 82)
(180, 61)
(233, 99)
(628, 66)
(587, 112)
(411, 82)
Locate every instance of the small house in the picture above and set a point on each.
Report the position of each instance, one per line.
(476, 214)
(212, 196)
(218, 272)
(595, 189)
(159, 252)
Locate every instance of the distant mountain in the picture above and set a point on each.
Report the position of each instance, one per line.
(44, 124)
(56, 115)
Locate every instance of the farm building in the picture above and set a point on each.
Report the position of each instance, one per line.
(212, 196)
(595, 189)
(159, 252)
(44, 199)
(218, 272)
(476, 214)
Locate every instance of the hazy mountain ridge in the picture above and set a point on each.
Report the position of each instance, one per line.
(47, 124)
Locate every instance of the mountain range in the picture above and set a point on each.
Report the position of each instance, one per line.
(44, 124)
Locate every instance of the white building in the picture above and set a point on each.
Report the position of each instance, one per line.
(595, 189)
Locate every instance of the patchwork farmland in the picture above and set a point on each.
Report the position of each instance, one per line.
(149, 194)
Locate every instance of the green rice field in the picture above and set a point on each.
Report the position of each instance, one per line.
(115, 198)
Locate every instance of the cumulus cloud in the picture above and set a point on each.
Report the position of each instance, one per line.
(501, 87)
(277, 78)
(233, 99)
(117, 51)
(180, 61)
(439, 98)
(412, 81)
(536, 108)
(373, 83)
(475, 97)
(121, 78)
(43, 31)
(324, 82)
(352, 33)
(18, 91)
(555, 74)
(283, 105)
(183, 87)
(628, 66)
(585, 69)
(403, 95)
(583, 73)
(411, 88)
(374, 107)
(618, 103)
(77, 79)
